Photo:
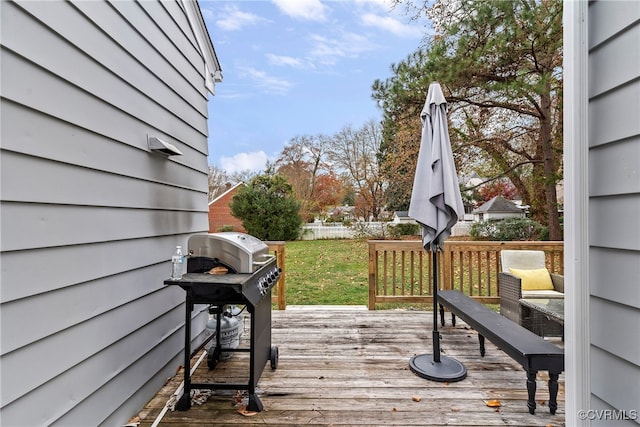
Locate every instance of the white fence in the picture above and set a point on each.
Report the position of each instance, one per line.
(319, 231)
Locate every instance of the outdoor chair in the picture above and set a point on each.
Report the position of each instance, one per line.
(524, 275)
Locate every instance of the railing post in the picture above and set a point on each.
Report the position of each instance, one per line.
(281, 297)
(372, 276)
(447, 279)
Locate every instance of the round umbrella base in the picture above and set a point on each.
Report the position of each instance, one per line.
(447, 370)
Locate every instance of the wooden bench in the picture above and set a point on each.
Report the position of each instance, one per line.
(528, 349)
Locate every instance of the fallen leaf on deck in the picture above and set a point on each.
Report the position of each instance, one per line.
(133, 422)
(416, 398)
(243, 411)
(495, 403)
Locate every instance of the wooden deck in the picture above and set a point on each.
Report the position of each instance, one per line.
(346, 366)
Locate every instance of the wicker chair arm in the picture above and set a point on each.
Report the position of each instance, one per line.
(510, 288)
(558, 282)
(511, 284)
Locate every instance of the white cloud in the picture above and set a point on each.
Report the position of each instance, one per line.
(266, 82)
(235, 19)
(349, 45)
(281, 60)
(391, 25)
(386, 4)
(311, 10)
(254, 161)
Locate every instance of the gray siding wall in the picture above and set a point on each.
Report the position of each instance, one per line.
(614, 204)
(90, 217)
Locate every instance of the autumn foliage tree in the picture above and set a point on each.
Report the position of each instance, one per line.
(302, 161)
(489, 190)
(328, 191)
(354, 153)
(325, 169)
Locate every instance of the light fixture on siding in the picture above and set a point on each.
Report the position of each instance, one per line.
(163, 147)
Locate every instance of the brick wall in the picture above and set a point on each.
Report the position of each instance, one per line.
(220, 213)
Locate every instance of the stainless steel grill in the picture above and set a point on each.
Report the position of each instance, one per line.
(240, 252)
(222, 269)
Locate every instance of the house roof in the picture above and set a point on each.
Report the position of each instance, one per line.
(212, 68)
(225, 193)
(499, 204)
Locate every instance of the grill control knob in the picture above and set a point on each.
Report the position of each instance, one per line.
(262, 286)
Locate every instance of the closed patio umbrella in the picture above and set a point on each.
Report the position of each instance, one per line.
(436, 205)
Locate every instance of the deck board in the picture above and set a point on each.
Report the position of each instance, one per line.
(347, 367)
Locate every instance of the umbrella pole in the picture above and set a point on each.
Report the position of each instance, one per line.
(435, 333)
(434, 366)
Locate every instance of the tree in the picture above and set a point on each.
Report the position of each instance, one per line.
(302, 161)
(328, 191)
(267, 208)
(327, 170)
(245, 175)
(499, 63)
(353, 152)
(502, 187)
(219, 181)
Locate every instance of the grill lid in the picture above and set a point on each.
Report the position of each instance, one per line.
(240, 251)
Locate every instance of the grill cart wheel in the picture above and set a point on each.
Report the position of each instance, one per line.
(274, 357)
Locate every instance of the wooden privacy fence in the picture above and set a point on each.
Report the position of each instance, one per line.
(402, 271)
(278, 294)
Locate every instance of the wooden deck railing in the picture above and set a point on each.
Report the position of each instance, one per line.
(402, 271)
(278, 294)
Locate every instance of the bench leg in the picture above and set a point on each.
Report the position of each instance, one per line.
(481, 340)
(553, 392)
(453, 316)
(531, 390)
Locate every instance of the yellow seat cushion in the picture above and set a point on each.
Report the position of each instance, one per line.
(538, 279)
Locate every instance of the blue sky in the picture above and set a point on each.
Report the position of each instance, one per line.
(297, 67)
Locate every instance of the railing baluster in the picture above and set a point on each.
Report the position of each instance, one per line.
(419, 272)
(402, 271)
(385, 261)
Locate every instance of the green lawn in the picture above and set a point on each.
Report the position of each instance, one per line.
(327, 272)
(332, 272)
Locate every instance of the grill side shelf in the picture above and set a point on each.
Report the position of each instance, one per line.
(190, 279)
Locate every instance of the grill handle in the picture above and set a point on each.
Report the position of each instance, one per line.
(267, 258)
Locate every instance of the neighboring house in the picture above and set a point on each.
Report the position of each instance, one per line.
(220, 213)
(92, 95)
(461, 228)
(602, 206)
(402, 217)
(347, 213)
(497, 208)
